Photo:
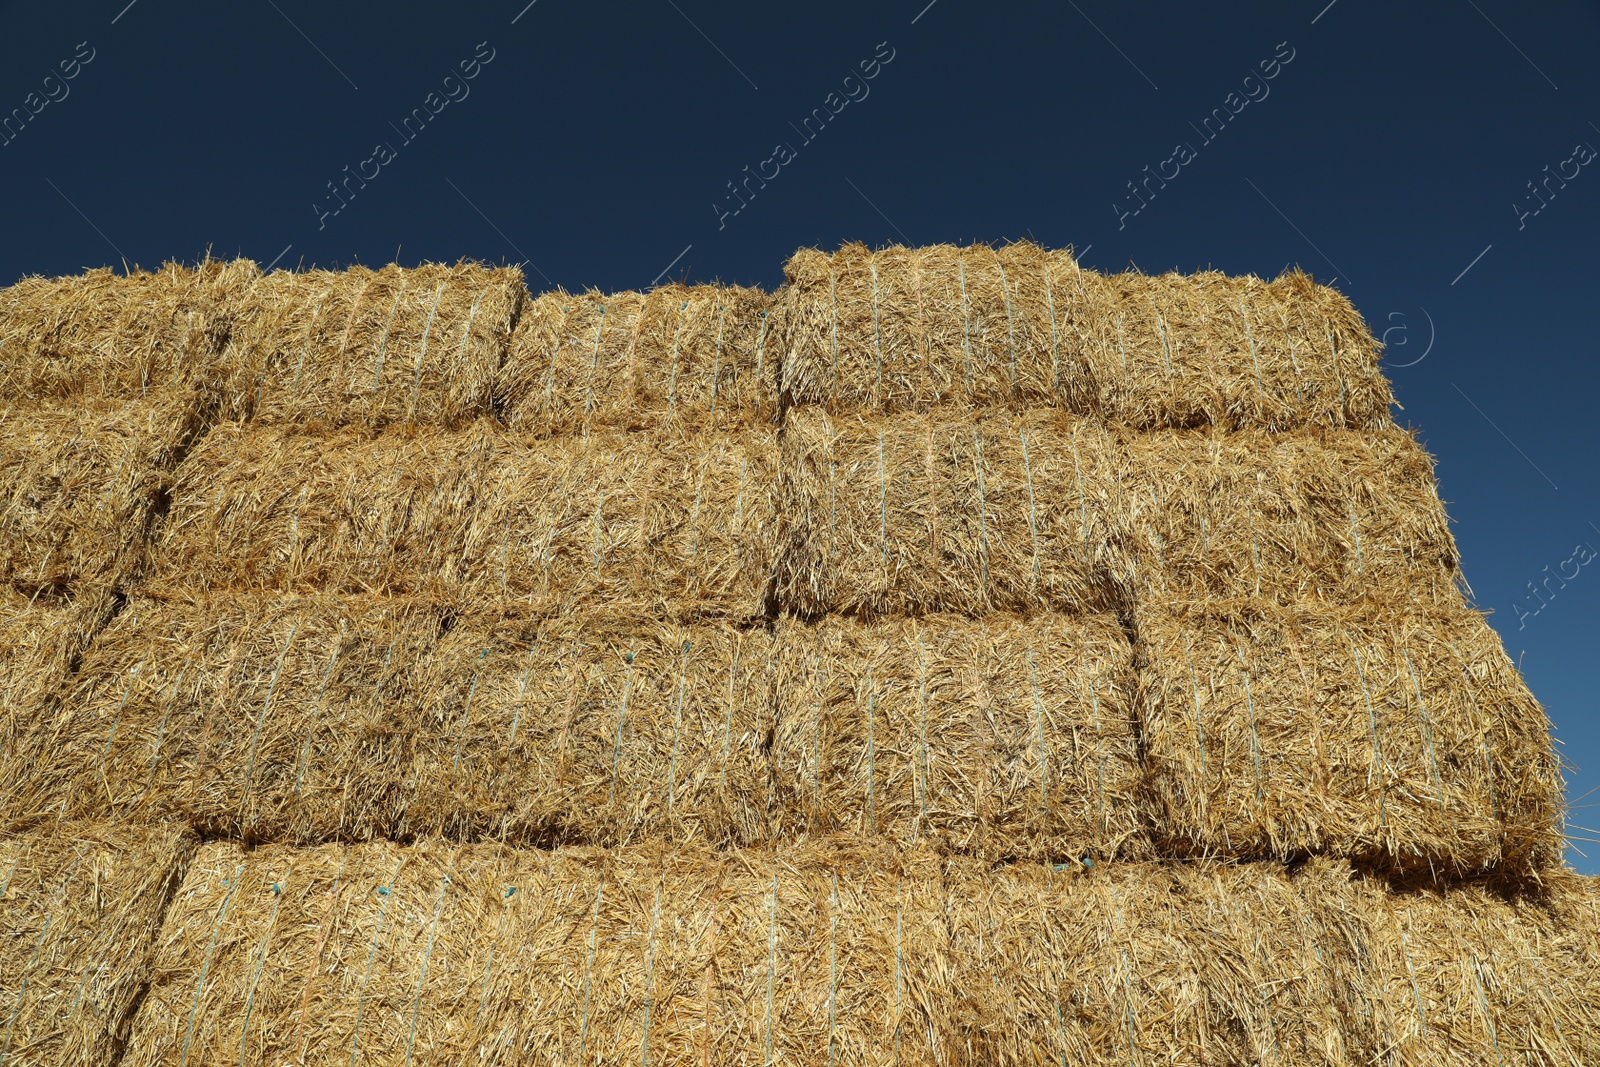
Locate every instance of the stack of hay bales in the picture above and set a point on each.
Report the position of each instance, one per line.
(955, 657)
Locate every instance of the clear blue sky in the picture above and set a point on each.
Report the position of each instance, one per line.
(1391, 152)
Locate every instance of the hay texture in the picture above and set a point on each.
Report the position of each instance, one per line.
(906, 329)
(683, 526)
(81, 485)
(1398, 735)
(1208, 963)
(831, 952)
(919, 514)
(1315, 515)
(322, 349)
(688, 356)
(257, 718)
(1000, 738)
(80, 907)
(112, 336)
(1152, 964)
(1466, 975)
(598, 728)
(383, 954)
(323, 718)
(42, 638)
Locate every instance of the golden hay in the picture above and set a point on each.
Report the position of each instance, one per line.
(1324, 515)
(690, 356)
(1399, 735)
(597, 728)
(80, 907)
(920, 514)
(1203, 963)
(1000, 738)
(42, 638)
(683, 526)
(905, 329)
(331, 348)
(111, 336)
(312, 719)
(258, 718)
(440, 955)
(81, 485)
(1466, 976)
(830, 952)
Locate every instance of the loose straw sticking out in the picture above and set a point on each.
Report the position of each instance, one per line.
(965, 523)
(687, 356)
(81, 908)
(330, 348)
(1412, 796)
(79, 485)
(994, 732)
(1333, 516)
(679, 525)
(110, 337)
(645, 1001)
(1012, 965)
(1024, 325)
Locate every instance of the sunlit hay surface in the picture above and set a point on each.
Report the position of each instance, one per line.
(309, 719)
(1398, 734)
(690, 356)
(110, 337)
(81, 486)
(907, 329)
(918, 514)
(675, 524)
(1001, 738)
(1315, 515)
(81, 905)
(322, 349)
(852, 952)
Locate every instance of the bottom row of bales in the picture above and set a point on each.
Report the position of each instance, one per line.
(158, 949)
(1403, 740)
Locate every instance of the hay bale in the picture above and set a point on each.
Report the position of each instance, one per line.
(597, 728)
(1466, 975)
(1325, 515)
(109, 336)
(332, 348)
(1146, 964)
(678, 525)
(322, 718)
(43, 636)
(262, 718)
(1001, 738)
(80, 907)
(832, 952)
(691, 356)
(920, 514)
(384, 954)
(1183, 350)
(1400, 736)
(81, 485)
(905, 329)
(1212, 963)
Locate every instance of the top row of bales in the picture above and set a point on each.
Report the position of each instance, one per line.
(898, 330)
